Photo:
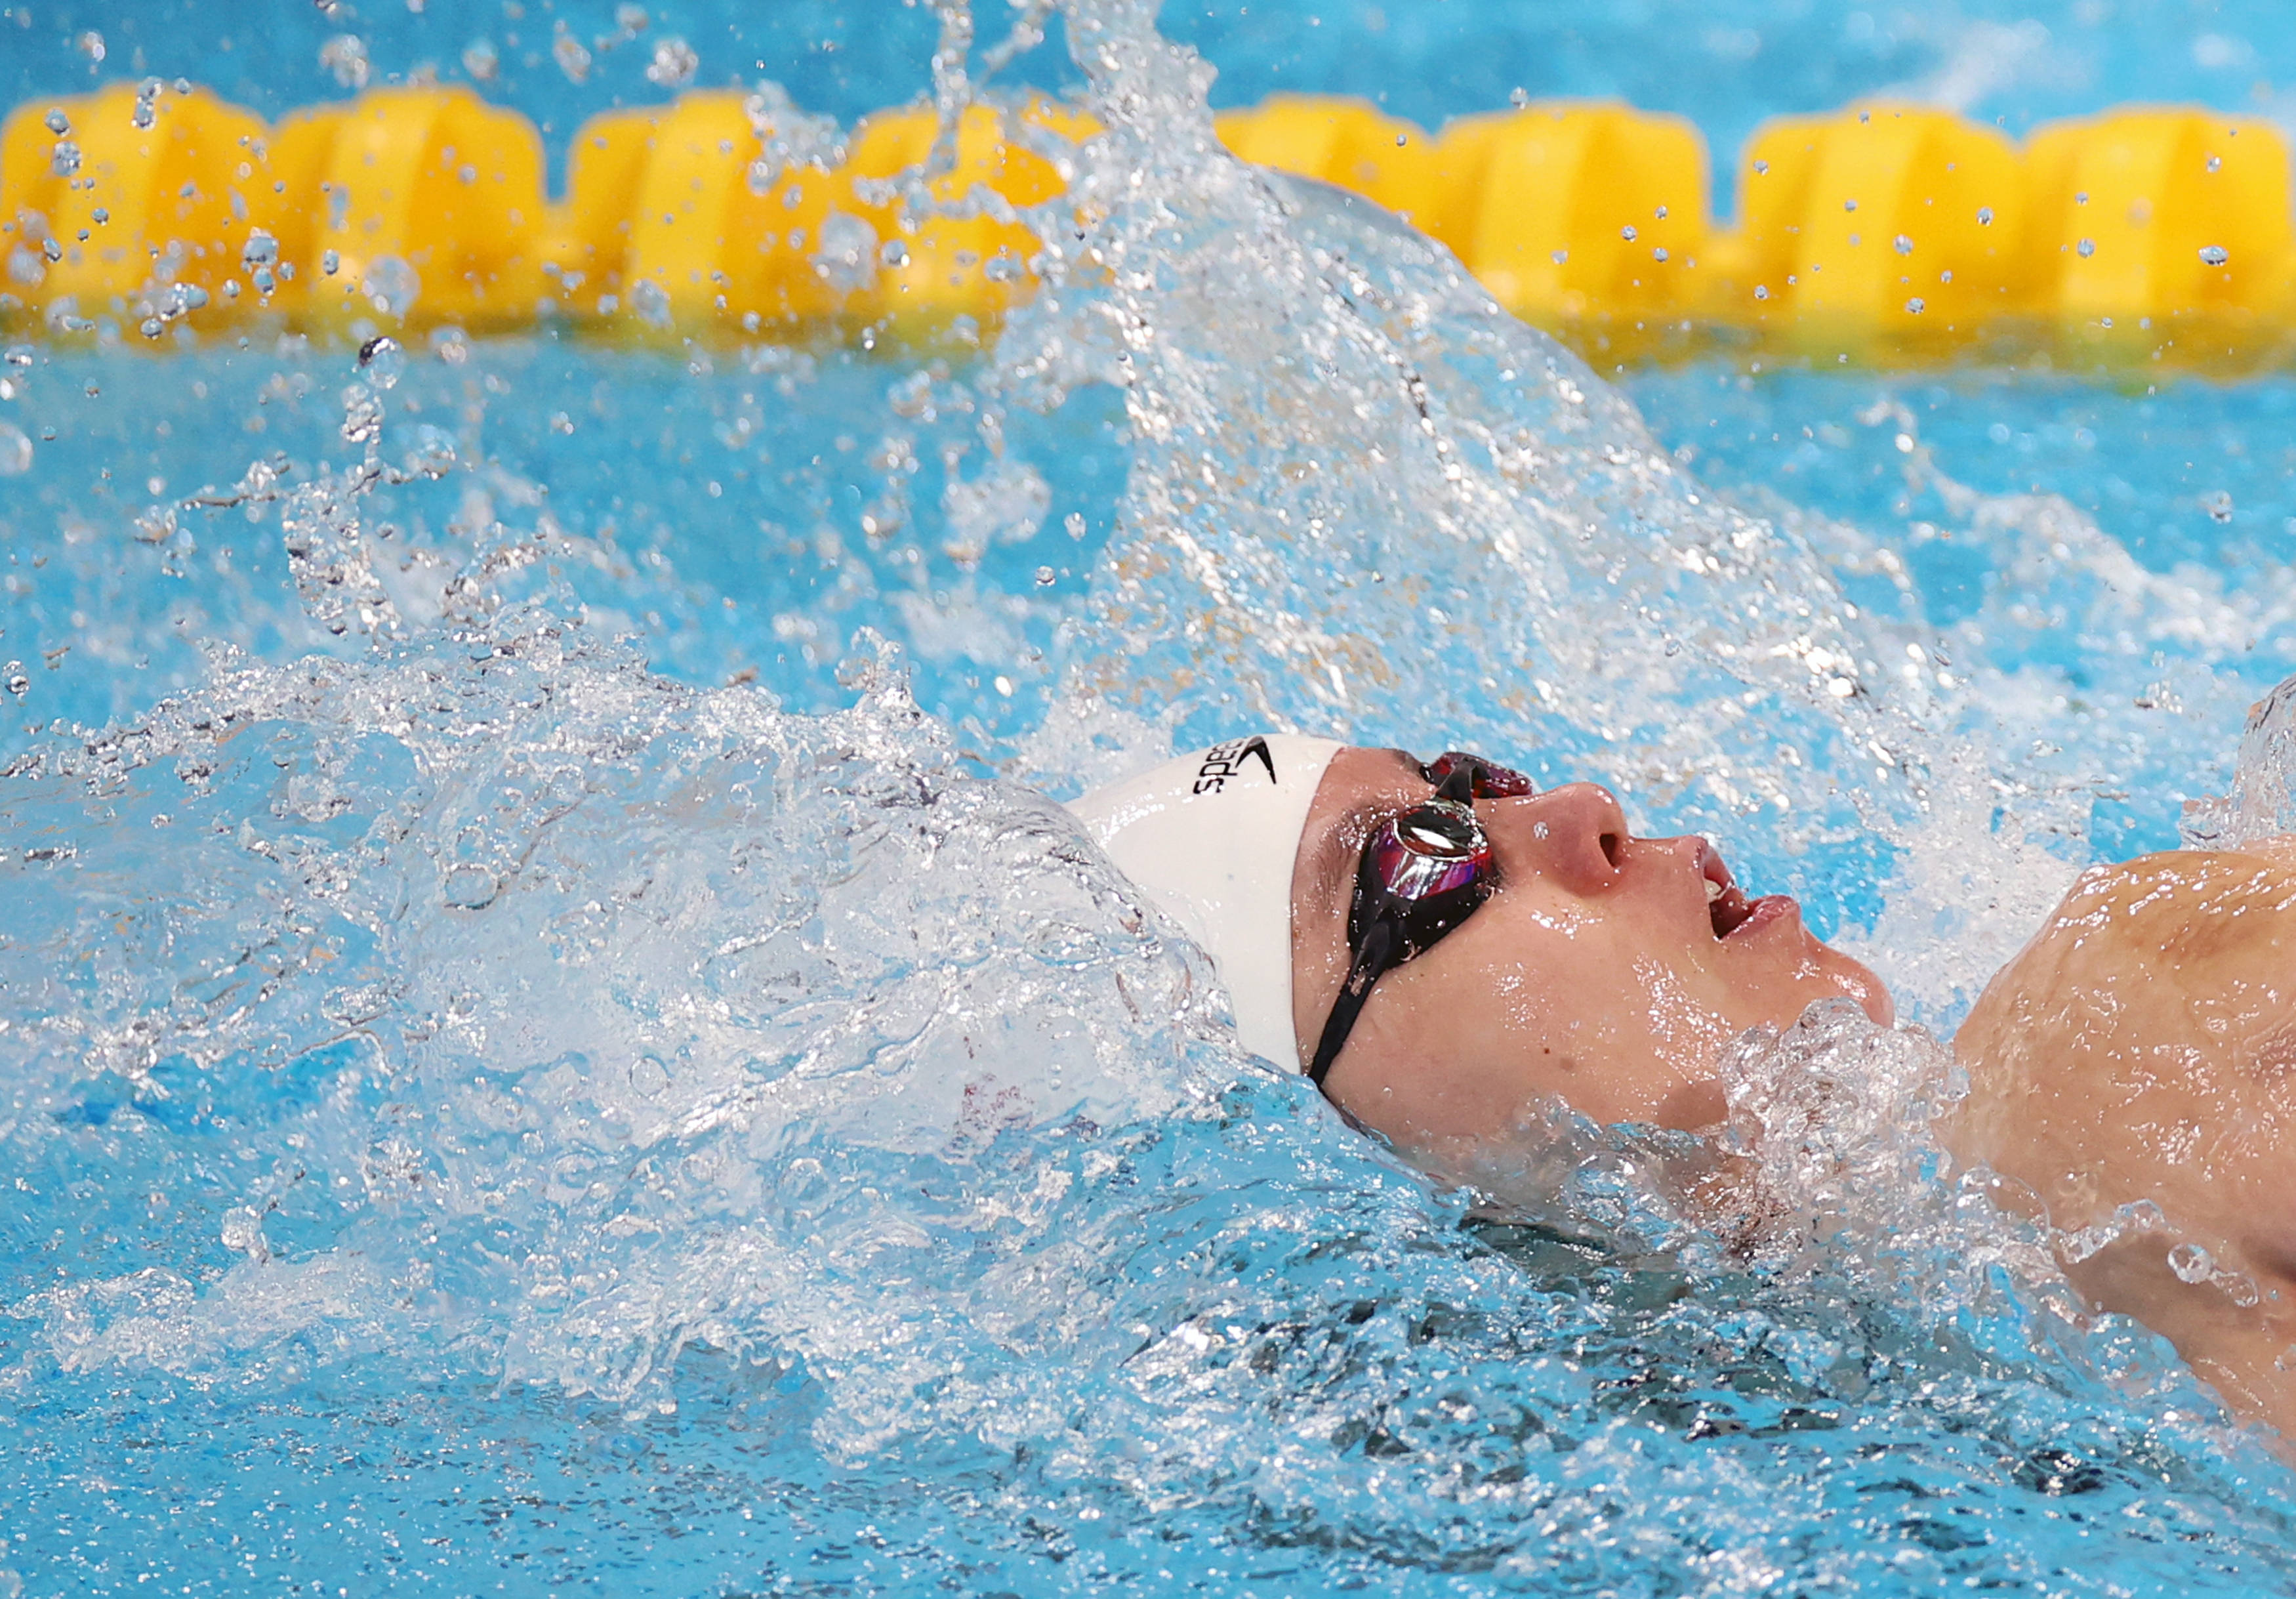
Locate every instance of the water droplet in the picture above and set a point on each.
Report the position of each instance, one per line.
(2215, 255)
(1985, 216)
(16, 682)
(65, 158)
(1045, 577)
(650, 301)
(1659, 254)
(1562, 256)
(2086, 248)
(242, 1230)
(2216, 163)
(362, 414)
(1761, 167)
(382, 360)
(15, 450)
(1849, 205)
(1518, 98)
(331, 263)
(2191, 1263)
(1903, 245)
(1761, 292)
(673, 64)
(1628, 233)
(345, 57)
(57, 122)
(1914, 307)
(1661, 213)
(572, 59)
(2218, 505)
(392, 285)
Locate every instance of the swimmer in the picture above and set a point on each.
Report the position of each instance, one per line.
(1442, 947)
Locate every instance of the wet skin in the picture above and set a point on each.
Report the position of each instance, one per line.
(2143, 1048)
(1601, 971)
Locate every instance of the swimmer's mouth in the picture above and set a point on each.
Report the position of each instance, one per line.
(1727, 904)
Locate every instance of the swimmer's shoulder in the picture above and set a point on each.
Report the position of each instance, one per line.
(2185, 911)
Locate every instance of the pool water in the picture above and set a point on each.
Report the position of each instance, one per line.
(553, 1039)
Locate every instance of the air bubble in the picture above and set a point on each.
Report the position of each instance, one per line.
(1628, 233)
(1761, 292)
(16, 682)
(57, 122)
(2215, 255)
(2191, 1263)
(2218, 505)
(1985, 216)
(1915, 307)
(2085, 249)
(15, 451)
(1902, 244)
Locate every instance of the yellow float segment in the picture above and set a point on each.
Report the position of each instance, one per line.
(1891, 230)
(1573, 212)
(672, 217)
(429, 202)
(947, 266)
(1898, 222)
(2161, 212)
(667, 218)
(1344, 142)
(134, 194)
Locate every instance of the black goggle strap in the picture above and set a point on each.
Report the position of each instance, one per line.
(1381, 951)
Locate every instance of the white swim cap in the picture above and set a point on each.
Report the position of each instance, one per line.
(1212, 837)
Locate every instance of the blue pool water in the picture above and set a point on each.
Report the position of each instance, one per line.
(551, 1040)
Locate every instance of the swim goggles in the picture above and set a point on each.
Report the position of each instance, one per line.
(1422, 875)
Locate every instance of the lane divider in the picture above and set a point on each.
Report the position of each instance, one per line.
(1881, 234)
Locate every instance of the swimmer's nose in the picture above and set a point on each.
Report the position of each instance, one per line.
(1574, 834)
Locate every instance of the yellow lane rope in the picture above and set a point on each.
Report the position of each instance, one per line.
(1882, 233)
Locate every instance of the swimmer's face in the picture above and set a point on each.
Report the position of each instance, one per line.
(1604, 969)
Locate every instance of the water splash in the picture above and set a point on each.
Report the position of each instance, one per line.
(2262, 803)
(441, 1013)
